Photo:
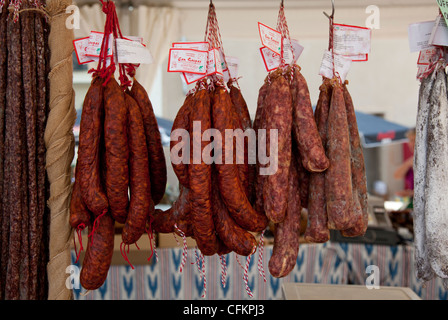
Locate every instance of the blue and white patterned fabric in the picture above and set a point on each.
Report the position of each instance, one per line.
(327, 263)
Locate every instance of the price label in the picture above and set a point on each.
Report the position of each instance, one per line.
(270, 38)
(95, 42)
(200, 45)
(80, 46)
(187, 60)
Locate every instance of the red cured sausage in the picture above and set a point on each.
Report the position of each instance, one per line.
(157, 162)
(230, 187)
(259, 123)
(278, 117)
(287, 232)
(98, 257)
(182, 121)
(359, 182)
(317, 229)
(308, 140)
(117, 151)
(200, 178)
(141, 204)
(164, 221)
(90, 135)
(338, 185)
(231, 234)
(79, 213)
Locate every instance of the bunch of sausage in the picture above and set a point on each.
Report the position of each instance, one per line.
(24, 192)
(120, 173)
(320, 164)
(214, 206)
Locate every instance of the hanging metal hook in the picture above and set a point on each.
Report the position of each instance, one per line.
(332, 11)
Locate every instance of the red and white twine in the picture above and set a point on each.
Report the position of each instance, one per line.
(185, 248)
(223, 270)
(260, 257)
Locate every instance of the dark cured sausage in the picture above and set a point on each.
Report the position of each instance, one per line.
(231, 234)
(278, 117)
(230, 187)
(98, 257)
(287, 232)
(13, 160)
(117, 150)
(90, 135)
(305, 129)
(157, 162)
(338, 185)
(200, 178)
(141, 204)
(317, 229)
(182, 121)
(359, 183)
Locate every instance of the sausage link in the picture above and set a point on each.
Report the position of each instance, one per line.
(14, 146)
(182, 121)
(141, 204)
(231, 234)
(287, 232)
(157, 162)
(338, 185)
(359, 180)
(164, 221)
(230, 187)
(308, 140)
(259, 123)
(117, 150)
(278, 117)
(98, 257)
(200, 177)
(317, 230)
(89, 160)
(79, 213)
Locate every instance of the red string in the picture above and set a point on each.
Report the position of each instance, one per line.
(96, 222)
(124, 253)
(79, 229)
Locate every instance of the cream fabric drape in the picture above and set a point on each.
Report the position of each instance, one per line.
(159, 27)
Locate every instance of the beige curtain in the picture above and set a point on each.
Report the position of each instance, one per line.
(159, 27)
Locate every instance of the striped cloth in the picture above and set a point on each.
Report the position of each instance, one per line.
(327, 263)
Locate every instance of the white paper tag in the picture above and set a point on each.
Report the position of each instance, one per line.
(439, 34)
(270, 38)
(95, 42)
(341, 66)
(288, 50)
(187, 60)
(80, 46)
(201, 45)
(351, 40)
(272, 60)
(419, 34)
(232, 68)
(214, 65)
(129, 51)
